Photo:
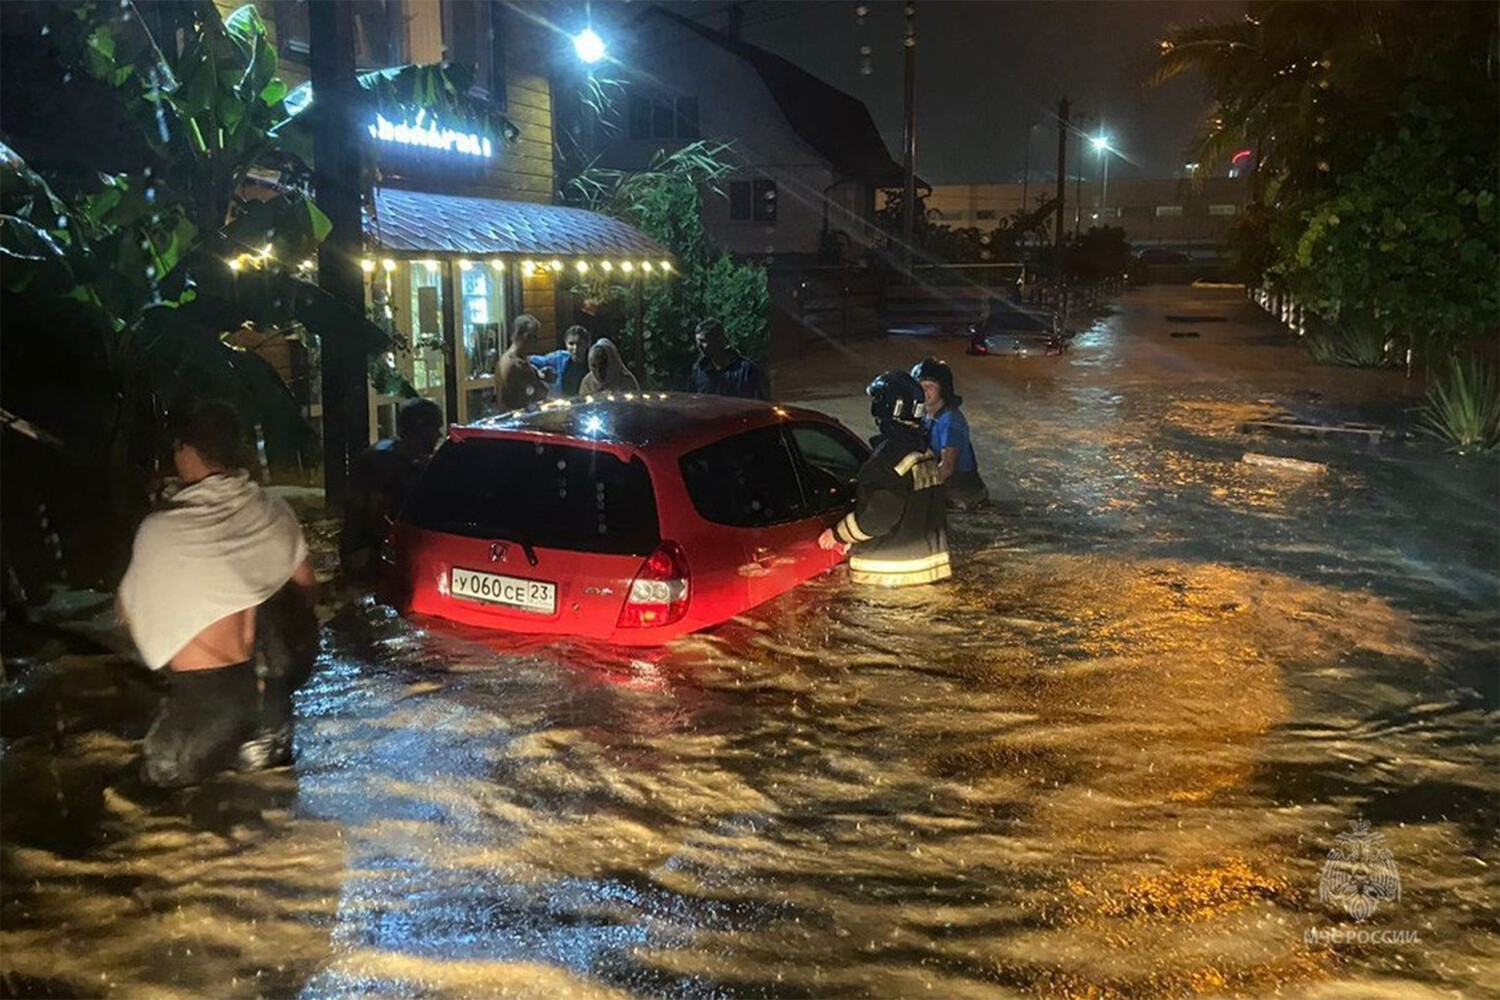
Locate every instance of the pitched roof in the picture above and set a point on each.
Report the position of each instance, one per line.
(832, 122)
(417, 222)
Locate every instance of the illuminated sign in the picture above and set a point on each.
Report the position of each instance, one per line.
(426, 134)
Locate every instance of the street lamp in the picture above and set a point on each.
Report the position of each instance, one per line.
(1102, 147)
(588, 45)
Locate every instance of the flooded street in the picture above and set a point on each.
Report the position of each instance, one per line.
(1108, 760)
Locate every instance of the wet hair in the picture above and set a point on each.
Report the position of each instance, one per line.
(527, 325)
(581, 332)
(212, 428)
(416, 414)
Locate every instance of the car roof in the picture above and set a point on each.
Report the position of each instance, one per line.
(639, 420)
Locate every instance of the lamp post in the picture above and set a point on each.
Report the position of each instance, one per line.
(1102, 147)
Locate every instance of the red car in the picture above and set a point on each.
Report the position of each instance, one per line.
(632, 519)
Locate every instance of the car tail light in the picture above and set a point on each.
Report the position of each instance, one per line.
(659, 593)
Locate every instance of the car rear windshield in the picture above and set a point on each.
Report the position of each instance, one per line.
(547, 495)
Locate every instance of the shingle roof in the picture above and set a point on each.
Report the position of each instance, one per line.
(418, 222)
(832, 122)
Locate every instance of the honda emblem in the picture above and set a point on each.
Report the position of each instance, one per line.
(497, 551)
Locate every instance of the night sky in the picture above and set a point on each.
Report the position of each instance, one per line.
(984, 69)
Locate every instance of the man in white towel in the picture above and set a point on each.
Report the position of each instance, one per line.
(221, 554)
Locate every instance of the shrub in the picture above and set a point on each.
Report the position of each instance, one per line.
(1463, 405)
(1348, 342)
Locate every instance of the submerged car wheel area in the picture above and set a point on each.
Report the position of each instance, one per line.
(632, 520)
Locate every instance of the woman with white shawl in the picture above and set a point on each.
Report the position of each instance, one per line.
(607, 371)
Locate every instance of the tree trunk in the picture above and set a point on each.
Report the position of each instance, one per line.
(336, 173)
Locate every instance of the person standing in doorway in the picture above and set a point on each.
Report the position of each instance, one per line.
(517, 382)
(722, 370)
(898, 530)
(211, 574)
(958, 466)
(565, 368)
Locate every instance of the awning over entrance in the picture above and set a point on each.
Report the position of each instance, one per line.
(416, 222)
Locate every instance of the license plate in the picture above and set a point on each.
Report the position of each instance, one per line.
(513, 592)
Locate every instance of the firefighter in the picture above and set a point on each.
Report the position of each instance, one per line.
(898, 529)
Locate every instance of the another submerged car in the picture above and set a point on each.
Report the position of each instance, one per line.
(1010, 327)
(630, 518)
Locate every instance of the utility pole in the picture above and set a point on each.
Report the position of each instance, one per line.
(1062, 187)
(336, 171)
(909, 141)
(1026, 173)
(1078, 188)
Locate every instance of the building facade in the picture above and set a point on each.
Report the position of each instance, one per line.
(809, 159)
(461, 233)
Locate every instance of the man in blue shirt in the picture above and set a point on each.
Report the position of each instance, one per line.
(958, 466)
(723, 371)
(565, 367)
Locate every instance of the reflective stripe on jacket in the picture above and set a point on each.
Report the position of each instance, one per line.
(898, 528)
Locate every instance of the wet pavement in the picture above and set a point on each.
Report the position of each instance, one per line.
(1109, 759)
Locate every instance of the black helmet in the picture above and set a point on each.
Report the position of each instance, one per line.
(933, 370)
(896, 400)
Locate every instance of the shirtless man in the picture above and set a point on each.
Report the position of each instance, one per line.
(517, 381)
(220, 559)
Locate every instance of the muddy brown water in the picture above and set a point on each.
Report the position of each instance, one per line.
(1110, 759)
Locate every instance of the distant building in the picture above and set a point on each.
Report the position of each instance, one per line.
(1178, 213)
(811, 159)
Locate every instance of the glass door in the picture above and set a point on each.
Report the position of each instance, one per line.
(481, 319)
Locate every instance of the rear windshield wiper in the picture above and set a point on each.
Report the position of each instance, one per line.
(478, 529)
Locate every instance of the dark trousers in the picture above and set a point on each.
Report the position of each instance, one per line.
(214, 720)
(239, 716)
(966, 489)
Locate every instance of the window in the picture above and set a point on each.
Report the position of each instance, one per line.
(687, 117)
(739, 201)
(551, 496)
(830, 464)
(481, 321)
(752, 201)
(663, 118)
(745, 481)
(377, 33)
(985, 214)
(1221, 209)
(291, 28)
(1168, 211)
(466, 31)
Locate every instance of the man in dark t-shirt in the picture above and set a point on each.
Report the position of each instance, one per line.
(380, 481)
(723, 371)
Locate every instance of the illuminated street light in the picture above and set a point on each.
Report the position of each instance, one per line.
(1103, 148)
(588, 45)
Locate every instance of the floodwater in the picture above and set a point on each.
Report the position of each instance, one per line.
(1109, 760)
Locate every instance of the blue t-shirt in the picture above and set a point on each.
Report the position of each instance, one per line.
(950, 429)
(566, 374)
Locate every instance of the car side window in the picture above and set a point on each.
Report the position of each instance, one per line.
(831, 462)
(746, 481)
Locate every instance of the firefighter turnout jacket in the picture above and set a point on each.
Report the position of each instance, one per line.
(898, 528)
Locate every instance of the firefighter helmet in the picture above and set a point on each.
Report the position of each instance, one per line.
(934, 370)
(896, 398)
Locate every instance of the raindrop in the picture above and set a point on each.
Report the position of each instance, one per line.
(67, 78)
(62, 222)
(46, 30)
